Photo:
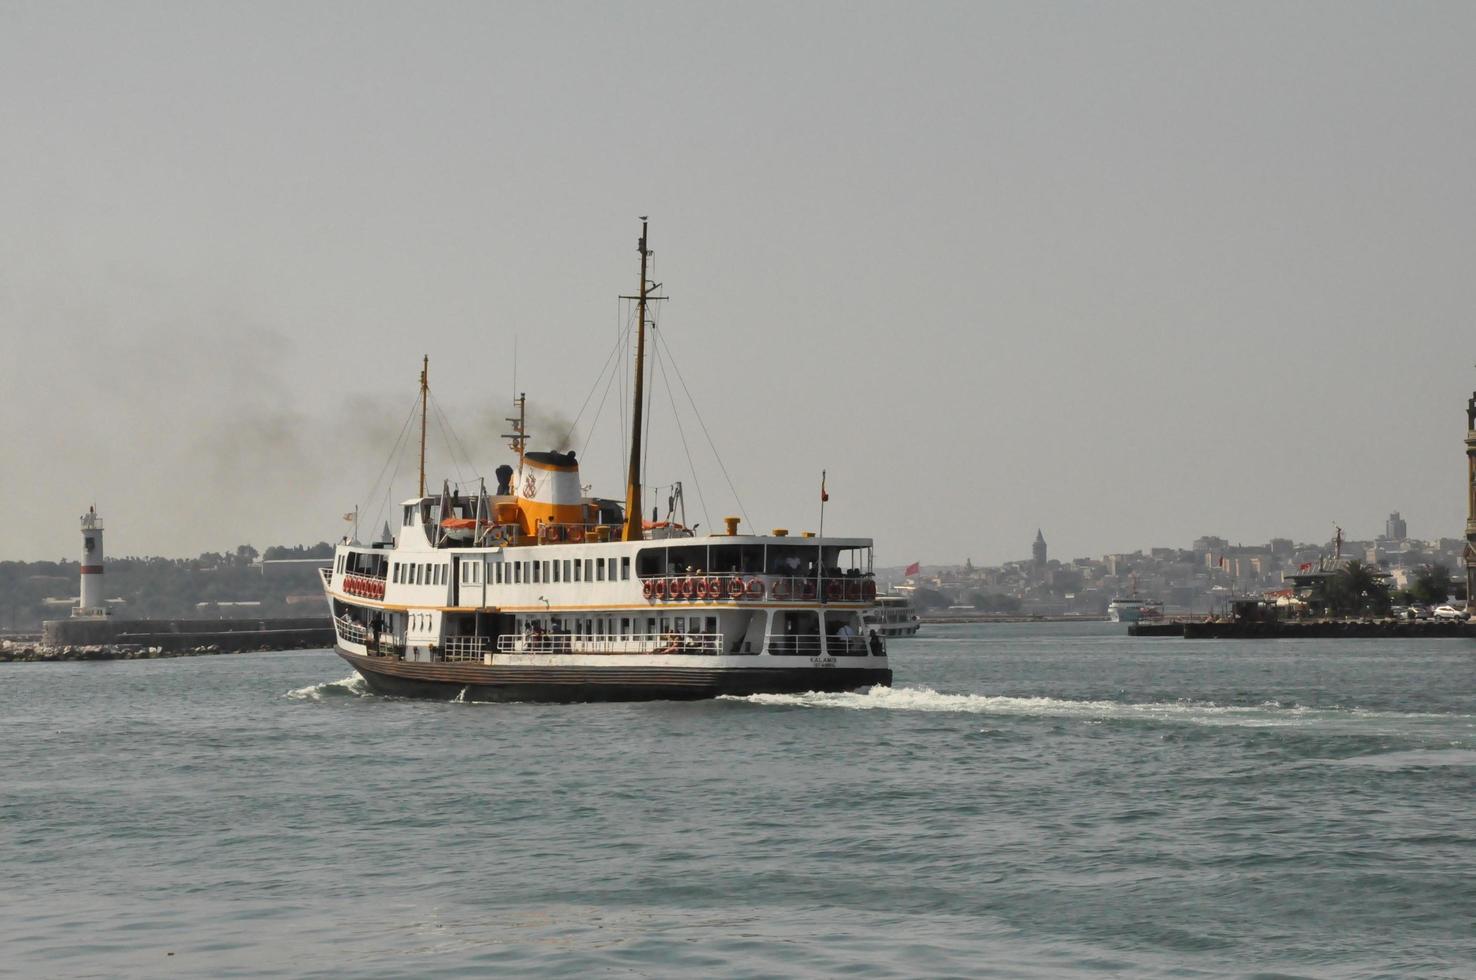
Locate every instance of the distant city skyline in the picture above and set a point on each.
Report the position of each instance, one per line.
(1125, 273)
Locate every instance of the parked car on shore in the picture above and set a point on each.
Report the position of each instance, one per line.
(1450, 613)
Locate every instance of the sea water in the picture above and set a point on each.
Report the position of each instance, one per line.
(1026, 801)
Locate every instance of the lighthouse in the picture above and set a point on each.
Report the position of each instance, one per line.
(91, 602)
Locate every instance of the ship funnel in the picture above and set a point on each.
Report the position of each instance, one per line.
(550, 492)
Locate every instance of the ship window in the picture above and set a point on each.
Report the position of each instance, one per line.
(537, 571)
(545, 571)
(711, 625)
(600, 569)
(624, 569)
(651, 561)
(566, 570)
(679, 624)
(624, 626)
(578, 569)
(517, 570)
(409, 512)
(556, 571)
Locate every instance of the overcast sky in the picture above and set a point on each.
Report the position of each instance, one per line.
(1130, 273)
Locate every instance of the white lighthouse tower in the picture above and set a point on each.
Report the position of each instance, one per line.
(91, 603)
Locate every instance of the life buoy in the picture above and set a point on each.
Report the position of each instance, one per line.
(835, 590)
(660, 588)
(553, 533)
(689, 588)
(780, 590)
(853, 590)
(648, 588)
(715, 587)
(807, 591)
(736, 588)
(755, 588)
(699, 588)
(575, 534)
(868, 590)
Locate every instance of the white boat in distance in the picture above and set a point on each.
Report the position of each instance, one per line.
(539, 592)
(1134, 610)
(893, 615)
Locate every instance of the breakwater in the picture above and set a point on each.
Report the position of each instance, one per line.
(1322, 629)
(131, 639)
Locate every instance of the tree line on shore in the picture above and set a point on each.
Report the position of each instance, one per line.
(169, 588)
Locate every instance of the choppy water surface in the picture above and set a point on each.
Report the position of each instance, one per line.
(1027, 801)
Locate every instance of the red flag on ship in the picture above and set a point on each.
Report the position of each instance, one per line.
(823, 495)
(913, 569)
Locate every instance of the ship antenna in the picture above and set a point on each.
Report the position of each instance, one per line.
(633, 476)
(424, 397)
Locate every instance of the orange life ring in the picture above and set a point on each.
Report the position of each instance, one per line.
(780, 590)
(647, 588)
(699, 587)
(755, 588)
(736, 587)
(689, 588)
(660, 588)
(575, 534)
(714, 587)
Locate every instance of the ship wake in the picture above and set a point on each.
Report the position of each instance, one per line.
(1334, 720)
(352, 686)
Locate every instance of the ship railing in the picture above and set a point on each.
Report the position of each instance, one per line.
(794, 644)
(737, 587)
(809, 645)
(350, 631)
(634, 643)
(847, 646)
(460, 649)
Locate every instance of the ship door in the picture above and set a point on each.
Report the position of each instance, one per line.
(455, 581)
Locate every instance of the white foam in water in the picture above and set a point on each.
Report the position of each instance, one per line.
(1270, 715)
(1411, 759)
(353, 686)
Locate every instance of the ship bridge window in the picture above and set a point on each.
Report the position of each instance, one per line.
(409, 515)
(624, 569)
(685, 561)
(747, 559)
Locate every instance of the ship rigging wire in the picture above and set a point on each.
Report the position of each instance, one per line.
(681, 432)
(708, 435)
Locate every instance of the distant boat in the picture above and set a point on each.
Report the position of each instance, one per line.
(893, 615)
(1132, 609)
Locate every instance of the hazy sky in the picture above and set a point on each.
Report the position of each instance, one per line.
(1130, 273)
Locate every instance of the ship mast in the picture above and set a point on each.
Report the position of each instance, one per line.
(424, 395)
(633, 475)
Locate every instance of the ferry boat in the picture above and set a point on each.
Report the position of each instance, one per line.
(893, 615)
(539, 592)
(1132, 609)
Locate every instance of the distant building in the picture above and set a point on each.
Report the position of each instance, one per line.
(1394, 528)
(1038, 550)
